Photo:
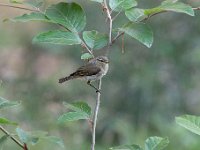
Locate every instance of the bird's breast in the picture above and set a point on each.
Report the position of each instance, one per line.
(105, 69)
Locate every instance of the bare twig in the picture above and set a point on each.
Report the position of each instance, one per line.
(108, 13)
(18, 7)
(116, 16)
(123, 49)
(25, 146)
(94, 120)
(90, 123)
(197, 8)
(87, 48)
(115, 38)
(13, 138)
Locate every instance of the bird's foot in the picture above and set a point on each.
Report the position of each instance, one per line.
(98, 91)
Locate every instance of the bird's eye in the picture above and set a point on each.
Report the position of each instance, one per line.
(101, 60)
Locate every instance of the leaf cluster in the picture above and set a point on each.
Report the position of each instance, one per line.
(71, 17)
(24, 136)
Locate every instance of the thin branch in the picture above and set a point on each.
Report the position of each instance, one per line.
(108, 13)
(151, 15)
(115, 38)
(25, 146)
(123, 49)
(116, 16)
(96, 110)
(13, 138)
(87, 48)
(18, 7)
(197, 8)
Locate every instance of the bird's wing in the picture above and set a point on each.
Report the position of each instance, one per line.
(86, 70)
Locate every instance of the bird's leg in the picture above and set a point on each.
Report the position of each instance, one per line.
(97, 90)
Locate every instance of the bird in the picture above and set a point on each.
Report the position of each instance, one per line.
(93, 70)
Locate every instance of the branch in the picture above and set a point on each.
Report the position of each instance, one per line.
(116, 15)
(108, 13)
(87, 48)
(115, 38)
(7, 5)
(151, 15)
(195, 8)
(94, 120)
(13, 138)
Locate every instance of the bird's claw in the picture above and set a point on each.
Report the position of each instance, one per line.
(98, 91)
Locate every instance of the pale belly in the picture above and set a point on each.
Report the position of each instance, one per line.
(99, 75)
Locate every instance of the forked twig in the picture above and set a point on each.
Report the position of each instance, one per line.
(13, 138)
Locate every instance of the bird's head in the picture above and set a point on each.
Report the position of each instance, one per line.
(102, 59)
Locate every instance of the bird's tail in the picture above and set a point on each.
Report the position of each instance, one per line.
(61, 80)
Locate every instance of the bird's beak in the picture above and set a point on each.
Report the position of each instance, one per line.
(106, 62)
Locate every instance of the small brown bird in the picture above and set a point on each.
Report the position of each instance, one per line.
(94, 70)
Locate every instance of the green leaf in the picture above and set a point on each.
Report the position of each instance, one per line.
(55, 140)
(32, 17)
(177, 7)
(79, 107)
(16, 1)
(140, 32)
(30, 137)
(72, 116)
(5, 103)
(149, 12)
(126, 147)
(58, 37)
(120, 5)
(86, 56)
(70, 15)
(3, 139)
(99, 1)
(23, 136)
(38, 134)
(94, 39)
(156, 143)
(192, 123)
(171, 6)
(6, 121)
(135, 14)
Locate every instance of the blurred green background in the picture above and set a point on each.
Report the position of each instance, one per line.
(142, 93)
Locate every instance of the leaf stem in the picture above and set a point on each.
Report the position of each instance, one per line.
(87, 48)
(7, 5)
(94, 120)
(118, 35)
(149, 16)
(13, 138)
(116, 16)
